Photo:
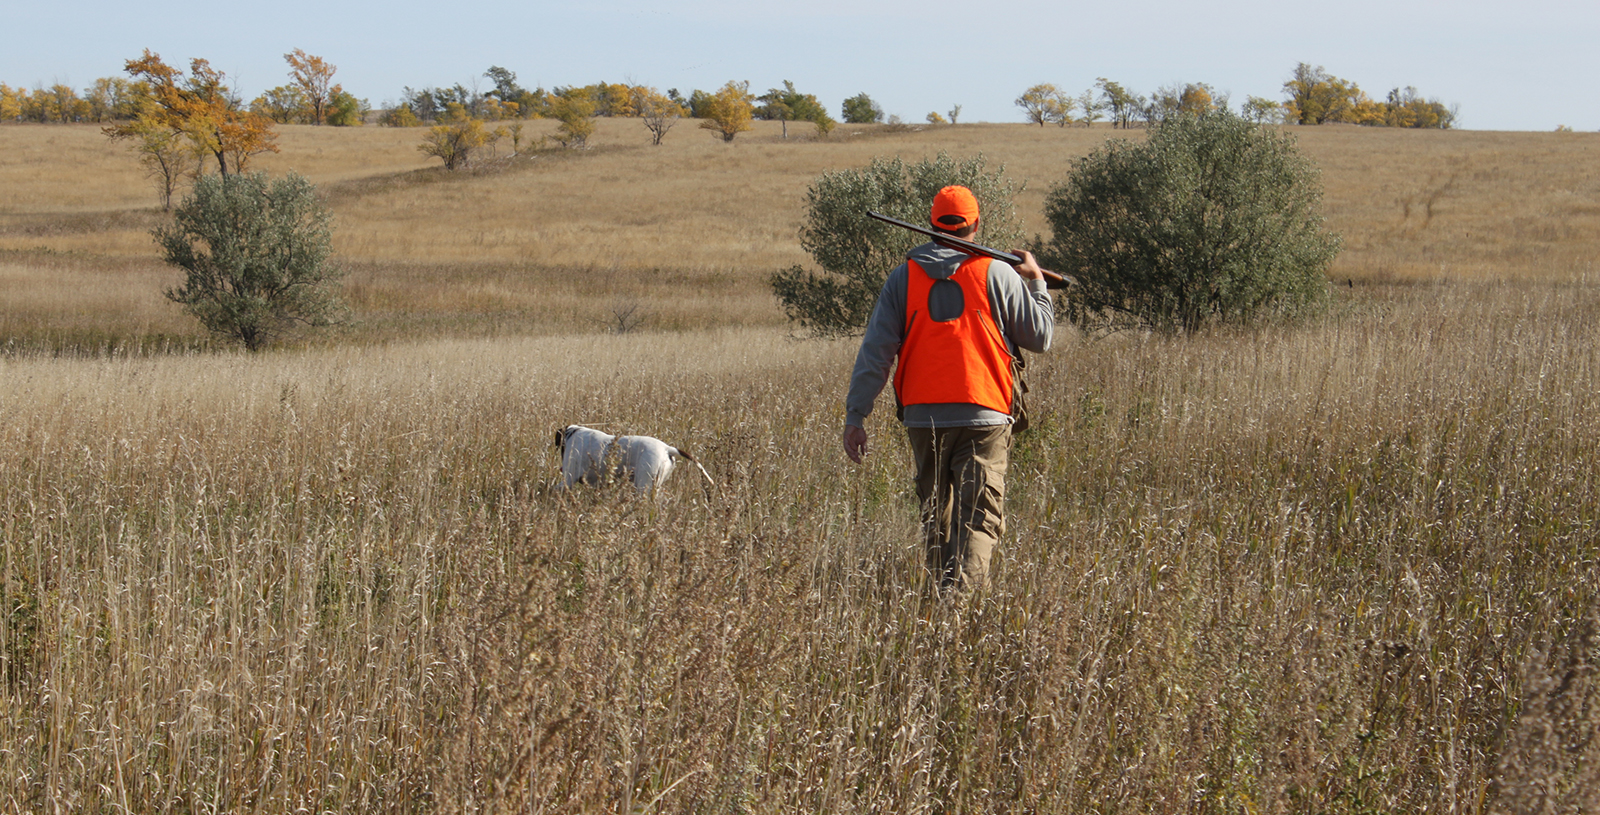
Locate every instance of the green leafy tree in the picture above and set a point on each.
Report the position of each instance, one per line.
(255, 257)
(856, 253)
(285, 104)
(1093, 109)
(730, 110)
(861, 110)
(345, 110)
(1213, 219)
(787, 104)
(1121, 103)
(699, 103)
(1262, 111)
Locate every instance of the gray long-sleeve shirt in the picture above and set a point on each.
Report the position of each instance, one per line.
(1021, 308)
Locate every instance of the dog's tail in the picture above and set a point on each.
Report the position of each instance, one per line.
(684, 454)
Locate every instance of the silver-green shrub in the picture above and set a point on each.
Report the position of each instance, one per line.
(255, 256)
(1211, 220)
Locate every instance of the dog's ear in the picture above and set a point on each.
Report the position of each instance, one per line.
(561, 439)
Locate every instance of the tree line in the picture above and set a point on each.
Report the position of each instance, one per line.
(310, 97)
(1312, 96)
(463, 120)
(179, 123)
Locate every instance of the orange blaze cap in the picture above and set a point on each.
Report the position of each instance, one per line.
(954, 200)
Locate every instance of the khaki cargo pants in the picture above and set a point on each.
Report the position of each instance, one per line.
(961, 481)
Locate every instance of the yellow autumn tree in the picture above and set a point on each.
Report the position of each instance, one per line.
(728, 112)
(164, 152)
(10, 103)
(112, 98)
(613, 99)
(574, 108)
(200, 107)
(1315, 97)
(455, 137)
(495, 110)
(400, 115)
(1044, 103)
(1406, 108)
(659, 111)
(1196, 98)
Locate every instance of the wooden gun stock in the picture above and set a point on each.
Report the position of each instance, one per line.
(1051, 279)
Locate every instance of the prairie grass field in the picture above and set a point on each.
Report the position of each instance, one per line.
(1346, 567)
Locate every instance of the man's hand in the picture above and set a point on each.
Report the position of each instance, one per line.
(855, 442)
(1029, 268)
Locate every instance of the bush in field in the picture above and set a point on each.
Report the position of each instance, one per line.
(861, 110)
(255, 253)
(856, 253)
(1213, 219)
(455, 138)
(575, 110)
(729, 111)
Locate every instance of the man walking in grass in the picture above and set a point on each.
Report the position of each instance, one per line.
(954, 323)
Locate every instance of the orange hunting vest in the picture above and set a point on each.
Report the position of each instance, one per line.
(963, 360)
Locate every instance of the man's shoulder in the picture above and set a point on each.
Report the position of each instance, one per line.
(897, 277)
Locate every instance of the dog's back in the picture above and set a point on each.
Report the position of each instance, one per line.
(646, 459)
(586, 454)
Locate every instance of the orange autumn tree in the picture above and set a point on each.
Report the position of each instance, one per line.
(201, 108)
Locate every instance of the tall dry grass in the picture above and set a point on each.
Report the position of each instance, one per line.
(1343, 568)
(1348, 568)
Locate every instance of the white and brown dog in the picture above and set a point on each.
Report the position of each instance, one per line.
(589, 456)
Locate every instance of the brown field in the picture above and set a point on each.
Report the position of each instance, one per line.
(558, 242)
(1348, 567)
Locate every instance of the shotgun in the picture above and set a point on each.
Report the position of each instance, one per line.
(1051, 279)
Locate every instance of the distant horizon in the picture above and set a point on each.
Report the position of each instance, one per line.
(1500, 68)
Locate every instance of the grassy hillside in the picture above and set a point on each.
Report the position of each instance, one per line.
(1348, 567)
(559, 241)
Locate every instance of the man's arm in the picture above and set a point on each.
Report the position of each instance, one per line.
(1022, 305)
(879, 346)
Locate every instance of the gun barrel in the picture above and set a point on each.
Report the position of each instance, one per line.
(1052, 280)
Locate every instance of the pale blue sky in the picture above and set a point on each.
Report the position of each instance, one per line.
(1508, 66)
